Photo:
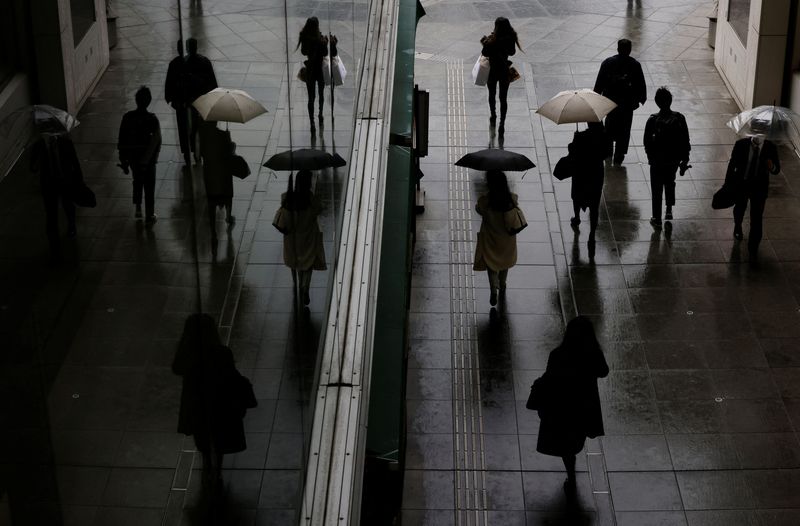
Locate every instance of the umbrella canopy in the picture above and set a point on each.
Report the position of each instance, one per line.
(41, 117)
(304, 159)
(228, 105)
(573, 106)
(775, 123)
(496, 159)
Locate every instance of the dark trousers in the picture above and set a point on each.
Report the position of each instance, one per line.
(618, 128)
(188, 119)
(51, 200)
(662, 179)
(756, 219)
(492, 83)
(144, 180)
(319, 84)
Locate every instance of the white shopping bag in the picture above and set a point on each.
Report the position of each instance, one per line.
(326, 70)
(338, 71)
(480, 71)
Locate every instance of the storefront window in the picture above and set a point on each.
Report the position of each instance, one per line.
(739, 18)
(83, 16)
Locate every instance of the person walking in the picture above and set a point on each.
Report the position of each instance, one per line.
(588, 150)
(497, 47)
(199, 80)
(139, 143)
(175, 93)
(621, 79)
(496, 249)
(314, 45)
(215, 396)
(567, 398)
(53, 155)
(303, 251)
(666, 142)
(216, 149)
(752, 160)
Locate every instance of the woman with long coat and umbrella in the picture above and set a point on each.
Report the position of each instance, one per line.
(496, 249)
(588, 150)
(569, 407)
(216, 148)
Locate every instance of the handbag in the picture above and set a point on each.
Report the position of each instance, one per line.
(538, 395)
(301, 74)
(725, 197)
(480, 71)
(565, 167)
(514, 221)
(513, 74)
(326, 70)
(338, 71)
(282, 220)
(239, 167)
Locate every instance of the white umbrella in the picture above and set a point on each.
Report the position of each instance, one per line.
(228, 105)
(583, 105)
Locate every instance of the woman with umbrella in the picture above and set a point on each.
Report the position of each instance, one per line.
(497, 47)
(216, 149)
(496, 249)
(587, 152)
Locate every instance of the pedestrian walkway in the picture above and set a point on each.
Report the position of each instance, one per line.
(702, 406)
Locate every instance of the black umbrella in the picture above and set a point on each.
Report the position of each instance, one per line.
(304, 159)
(496, 159)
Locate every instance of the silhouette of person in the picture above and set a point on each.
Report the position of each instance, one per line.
(216, 148)
(496, 249)
(200, 79)
(215, 396)
(175, 93)
(497, 47)
(621, 79)
(314, 45)
(139, 143)
(570, 402)
(666, 142)
(303, 251)
(588, 149)
(752, 160)
(53, 155)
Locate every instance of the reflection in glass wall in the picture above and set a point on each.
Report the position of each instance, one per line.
(162, 366)
(83, 16)
(739, 18)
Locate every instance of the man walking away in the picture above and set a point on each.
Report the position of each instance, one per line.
(200, 79)
(621, 80)
(666, 142)
(175, 95)
(139, 144)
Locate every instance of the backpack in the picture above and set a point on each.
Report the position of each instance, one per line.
(665, 137)
(135, 135)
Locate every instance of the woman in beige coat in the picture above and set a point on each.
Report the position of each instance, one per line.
(496, 250)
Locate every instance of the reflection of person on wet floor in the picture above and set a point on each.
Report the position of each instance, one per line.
(314, 45)
(216, 149)
(752, 160)
(138, 144)
(496, 249)
(588, 150)
(215, 396)
(666, 142)
(570, 409)
(621, 80)
(55, 158)
(497, 47)
(303, 251)
(200, 79)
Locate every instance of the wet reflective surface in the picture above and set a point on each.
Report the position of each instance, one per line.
(701, 405)
(90, 401)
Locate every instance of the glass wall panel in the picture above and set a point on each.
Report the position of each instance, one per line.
(739, 18)
(83, 16)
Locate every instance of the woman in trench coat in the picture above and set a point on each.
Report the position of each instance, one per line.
(496, 249)
(589, 149)
(569, 407)
(216, 148)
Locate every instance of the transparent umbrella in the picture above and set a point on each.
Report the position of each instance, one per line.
(774, 123)
(41, 118)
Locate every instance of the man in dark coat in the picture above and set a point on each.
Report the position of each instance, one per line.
(175, 95)
(200, 79)
(588, 149)
(621, 80)
(139, 143)
(666, 142)
(752, 160)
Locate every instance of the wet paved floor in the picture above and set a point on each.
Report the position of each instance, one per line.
(702, 405)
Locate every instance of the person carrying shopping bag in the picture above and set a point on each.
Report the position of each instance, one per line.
(497, 47)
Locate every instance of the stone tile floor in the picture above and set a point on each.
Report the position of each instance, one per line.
(702, 406)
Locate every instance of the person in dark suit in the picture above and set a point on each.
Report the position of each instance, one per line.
(497, 47)
(216, 148)
(588, 149)
(752, 160)
(621, 79)
(666, 142)
(175, 95)
(215, 396)
(139, 144)
(199, 80)
(570, 402)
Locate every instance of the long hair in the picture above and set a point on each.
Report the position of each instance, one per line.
(309, 31)
(499, 195)
(579, 337)
(299, 197)
(503, 29)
